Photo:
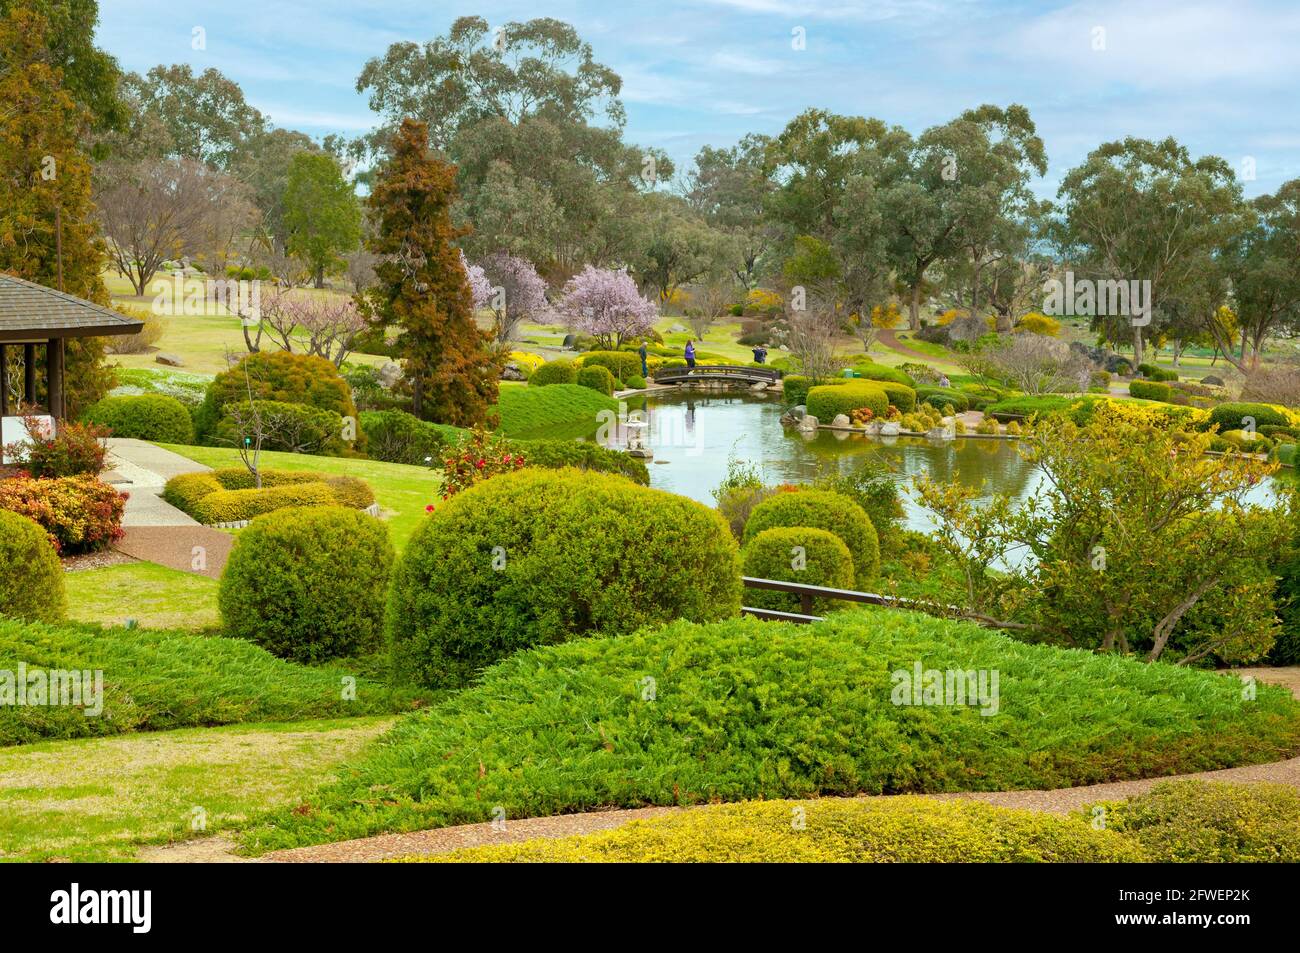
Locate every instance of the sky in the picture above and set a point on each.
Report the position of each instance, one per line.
(1221, 76)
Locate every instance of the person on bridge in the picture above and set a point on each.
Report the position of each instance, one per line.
(760, 354)
(690, 355)
(645, 371)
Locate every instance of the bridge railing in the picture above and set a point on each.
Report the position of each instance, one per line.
(716, 371)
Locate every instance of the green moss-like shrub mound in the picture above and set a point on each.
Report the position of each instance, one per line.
(554, 372)
(229, 495)
(880, 372)
(277, 376)
(825, 401)
(308, 585)
(900, 395)
(540, 556)
(1244, 416)
(1212, 822)
(395, 436)
(899, 830)
(529, 409)
(31, 577)
(556, 454)
(1149, 390)
(826, 510)
(158, 680)
(597, 378)
(744, 710)
(803, 554)
(290, 428)
(143, 417)
(941, 397)
(620, 364)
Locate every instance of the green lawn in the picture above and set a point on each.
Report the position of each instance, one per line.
(555, 410)
(100, 799)
(402, 491)
(156, 597)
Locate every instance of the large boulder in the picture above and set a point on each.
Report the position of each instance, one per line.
(390, 374)
(171, 360)
(808, 422)
(1211, 381)
(841, 420)
(513, 372)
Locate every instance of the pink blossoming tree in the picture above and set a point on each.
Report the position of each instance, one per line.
(606, 305)
(515, 292)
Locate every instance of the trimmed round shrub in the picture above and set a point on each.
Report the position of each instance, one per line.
(636, 382)
(620, 364)
(1237, 416)
(541, 556)
(308, 584)
(143, 417)
(941, 396)
(31, 578)
(794, 388)
(803, 554)
(398, 437)
(598, 378)
(556, 454)
(879, 372)
(825, 401)
(822, 509)
(554, 372)
(1149, 390)
(230, 496)
(900, 395)
(282, 377)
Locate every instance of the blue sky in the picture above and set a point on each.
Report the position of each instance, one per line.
(1223, 76)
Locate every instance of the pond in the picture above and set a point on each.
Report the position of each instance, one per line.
(693, 433)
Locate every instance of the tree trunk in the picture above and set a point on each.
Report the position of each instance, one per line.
(914, 308)
(320, 277)
(1137, 346)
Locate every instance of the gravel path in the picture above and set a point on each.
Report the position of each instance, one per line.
(446, 839)
(177, 547)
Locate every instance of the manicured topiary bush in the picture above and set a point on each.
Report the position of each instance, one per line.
(620, 364)
(822, 509)
(540, 556)
(907, 830)
(230, 495)
(31, 578)
(526, 410)
(308, 584)
(398, 437)
(803, 554)
(278, 376)
(879, 372)
(295, 428)
(79, 513)
(940, 396)
(143, 417)
(598, 378)
(554, 372)
(1153, 373)
(1242, 416)
(555, 454)
(825, 401)
(794, 388)
(234, 506)
(900, 395)
(1149, 390)
(1211, 822)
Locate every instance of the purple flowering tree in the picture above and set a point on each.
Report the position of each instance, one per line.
(479, 285)
(516, 293)
(606, 305)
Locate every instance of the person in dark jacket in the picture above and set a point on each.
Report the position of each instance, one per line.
(641, 351)
(760, 354)
(690, 354)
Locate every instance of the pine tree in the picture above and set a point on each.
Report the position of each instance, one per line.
(45, 190)
(423, 288)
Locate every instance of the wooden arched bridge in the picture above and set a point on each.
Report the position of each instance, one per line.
(715, 374)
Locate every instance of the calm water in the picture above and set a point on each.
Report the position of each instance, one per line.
(693, 434)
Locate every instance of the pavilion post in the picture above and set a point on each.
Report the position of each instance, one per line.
(4, 381)
(54, 371)
(29, 374)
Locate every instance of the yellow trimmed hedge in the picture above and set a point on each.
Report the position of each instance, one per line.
(228, 495)
(894, 830)
(826, 401)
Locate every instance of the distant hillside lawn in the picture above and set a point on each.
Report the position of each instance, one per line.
(743, 710)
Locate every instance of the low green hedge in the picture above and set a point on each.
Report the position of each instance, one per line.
(229, 495)
(1149, 390)
(620, 364)
(538, 556)
(744, 710)
(597, 377)
(308, 585)
(826, 401)
(822, 509)
(554, 454)
(232, 506)
(940, 397)
(879, 372)
(398, 437)
(31, 576)
(554, 372)
(900, 395)
(1153, 373)
(1239, 416)
(143, 417)
(803, 554)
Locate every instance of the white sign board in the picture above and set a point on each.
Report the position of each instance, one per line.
(13, 431)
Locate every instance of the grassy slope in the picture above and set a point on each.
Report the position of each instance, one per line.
(529, 410)
(154, 596)
(403, 490)
(747, 710)
(98, 799)
(156, 681)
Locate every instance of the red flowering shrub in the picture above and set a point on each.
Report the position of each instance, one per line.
(482, 456)
(75, 449)
(79, 513)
